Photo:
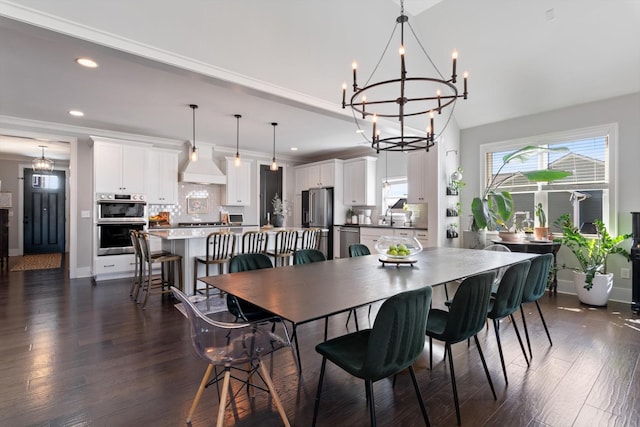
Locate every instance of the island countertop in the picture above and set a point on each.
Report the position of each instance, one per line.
(203, 232)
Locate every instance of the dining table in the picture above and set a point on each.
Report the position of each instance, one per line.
(308, 292)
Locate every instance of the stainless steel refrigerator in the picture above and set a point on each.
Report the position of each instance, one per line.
(317, 212)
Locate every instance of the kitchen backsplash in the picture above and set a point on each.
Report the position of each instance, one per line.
(178, 213)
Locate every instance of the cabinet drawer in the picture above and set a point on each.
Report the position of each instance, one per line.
(114, 264)
(375, 232)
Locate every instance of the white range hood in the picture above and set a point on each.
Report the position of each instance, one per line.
(204, 170)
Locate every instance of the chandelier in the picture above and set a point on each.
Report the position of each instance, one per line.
(416, 96)
(42, 164)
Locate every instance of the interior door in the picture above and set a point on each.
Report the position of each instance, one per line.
(44, 212)
(270, 184)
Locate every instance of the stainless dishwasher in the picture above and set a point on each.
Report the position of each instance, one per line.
(348, 236)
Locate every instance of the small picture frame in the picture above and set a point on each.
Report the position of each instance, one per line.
(197, 205)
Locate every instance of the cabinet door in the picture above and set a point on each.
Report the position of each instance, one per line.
(301, 177)
(416, 177)
(238, 183)
(327, 175)
(162, 177)
(313, 176)
(354, 183)
(134, 168)
(107, 167)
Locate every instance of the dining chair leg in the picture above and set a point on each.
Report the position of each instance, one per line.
(515, 328)
(274, 395)
(484, 365)
(544, 323)
(316, 407)
(430, 354)
(496, 328)
(195, 275)
(418, 395)
(223, 397)
(526, 331)
(203, 384)
(372, 405)
(447, 348)
(295, 341)
(346, 325)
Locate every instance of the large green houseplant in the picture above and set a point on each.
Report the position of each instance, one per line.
(592, 253)
(494, 209)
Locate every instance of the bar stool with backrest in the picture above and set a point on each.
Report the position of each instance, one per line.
(168, 261)
(311, 238)
(230, 346)
(221, 246)
(254, 242)
(506, 301)
(137, 252)
(284, 248)
(534, 288)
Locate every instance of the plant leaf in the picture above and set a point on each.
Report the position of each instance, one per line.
(545, 175)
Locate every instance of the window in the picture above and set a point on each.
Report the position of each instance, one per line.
(586, 195)
(397, 190)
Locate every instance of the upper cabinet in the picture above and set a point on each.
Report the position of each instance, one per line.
(238, 191)
(321, 174)
(301, 179)
(119, 167)
(417, 177)
(162, 177)
(360, 181)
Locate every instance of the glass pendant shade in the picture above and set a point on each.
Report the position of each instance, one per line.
(274, 164)
(237, 159)
(194, 152)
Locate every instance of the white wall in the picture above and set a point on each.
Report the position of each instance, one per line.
(623, 110)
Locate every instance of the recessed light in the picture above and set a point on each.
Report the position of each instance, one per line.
(76, 113)
(86, 62)
(294, 148)
(359, 131)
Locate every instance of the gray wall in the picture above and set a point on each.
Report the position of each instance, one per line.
(9, 178)
(624, 110)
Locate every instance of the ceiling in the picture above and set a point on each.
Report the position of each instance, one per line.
(284, 61)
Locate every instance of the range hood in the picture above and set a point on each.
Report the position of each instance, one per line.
(204, 170)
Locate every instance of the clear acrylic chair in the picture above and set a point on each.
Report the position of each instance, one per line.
(230, 346)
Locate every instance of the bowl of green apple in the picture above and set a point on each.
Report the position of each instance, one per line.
(398, 247)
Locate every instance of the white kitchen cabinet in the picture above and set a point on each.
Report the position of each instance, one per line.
(417, 177)
(359, 182)
(369, 236)
(321, 174)
(301, 179)
(119, 168)
(162, 177)
(423, 237)
(238, 188)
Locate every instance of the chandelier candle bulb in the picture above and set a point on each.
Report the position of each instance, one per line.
(374, 120)
(455, 60)
(439, 102)
(364, 103)
(344, 93)
(354, 65)
(464, 94)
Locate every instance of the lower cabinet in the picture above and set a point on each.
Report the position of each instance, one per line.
(113, 266)
(370, 236)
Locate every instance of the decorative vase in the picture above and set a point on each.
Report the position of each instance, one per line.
(599, 293)
(278, 220)
(510, 236)
(541, 233)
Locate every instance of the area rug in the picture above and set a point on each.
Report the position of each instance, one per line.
(38, 262)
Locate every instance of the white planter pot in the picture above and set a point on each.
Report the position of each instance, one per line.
(599, 293)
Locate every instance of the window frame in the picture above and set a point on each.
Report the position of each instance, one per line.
(610, 199)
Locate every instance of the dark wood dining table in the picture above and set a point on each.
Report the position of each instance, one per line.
(307, 292)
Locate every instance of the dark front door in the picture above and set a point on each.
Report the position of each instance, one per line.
(44, 216)
(270, 184)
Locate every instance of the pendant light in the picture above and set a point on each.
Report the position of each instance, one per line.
(386, 185)
(237, 161)
(42, 164)
(274, 164)
(194, 153)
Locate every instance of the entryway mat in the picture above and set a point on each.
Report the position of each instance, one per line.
(38, 262)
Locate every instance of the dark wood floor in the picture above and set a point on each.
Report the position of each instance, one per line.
(78, 354)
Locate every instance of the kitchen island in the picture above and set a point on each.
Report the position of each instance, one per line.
(191, 243)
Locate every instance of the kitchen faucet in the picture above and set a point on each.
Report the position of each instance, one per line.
(390, 215)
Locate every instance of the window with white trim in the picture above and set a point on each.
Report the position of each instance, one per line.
(398, 189)
(586, 195)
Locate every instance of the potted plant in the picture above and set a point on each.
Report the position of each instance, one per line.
(494, 209)
(592, 282)
(278, 211)
(542, 231)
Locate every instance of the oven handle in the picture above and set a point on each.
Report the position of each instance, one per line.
(120, 222)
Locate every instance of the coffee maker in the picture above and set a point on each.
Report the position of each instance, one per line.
(635, 261)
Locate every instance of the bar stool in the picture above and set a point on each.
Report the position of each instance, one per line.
(254, 242)
(168, 261)
(285, 247)
(221, 245)
(137, 277)
(311, 238)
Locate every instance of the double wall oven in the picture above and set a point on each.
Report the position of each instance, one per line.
(116, 214)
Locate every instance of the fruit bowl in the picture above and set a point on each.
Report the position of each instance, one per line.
(398, 247)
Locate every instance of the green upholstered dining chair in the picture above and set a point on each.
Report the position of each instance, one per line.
(391, 346)
(464, 319)
(306, 256)
(534, 288)
(358, 249)
(505, 301)
(355, 250)
(230, 346)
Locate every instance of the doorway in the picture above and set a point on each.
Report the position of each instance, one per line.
(270, 184)
(44, 212)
